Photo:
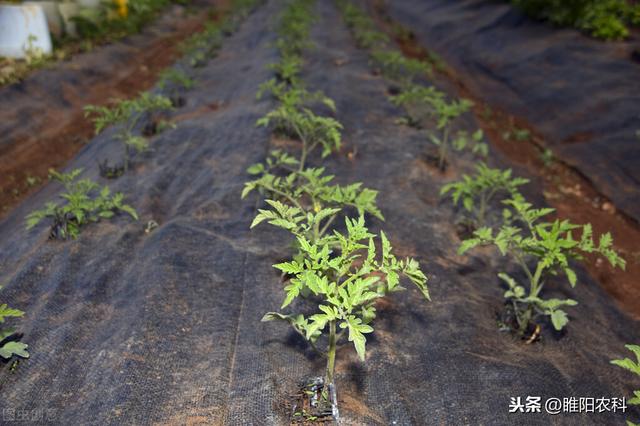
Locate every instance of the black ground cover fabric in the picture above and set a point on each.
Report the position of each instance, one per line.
(582, 94)
(164, 328)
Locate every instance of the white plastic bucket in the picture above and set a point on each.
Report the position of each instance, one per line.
(50, 9)
(21, 27)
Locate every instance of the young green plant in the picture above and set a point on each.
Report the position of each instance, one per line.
(476, 192)
(288, 70)
(203, 45)
(417, 101)
(446, 113)
(420, 102)
(398, 68)
(550, 246)
(305, 203)
(127, 114)
(83, 203)
(294, 28)
(171, 81)
(310, 129)
(346, 281)
(9, 346)
(634, 367)
(424, 103)
(362, 26)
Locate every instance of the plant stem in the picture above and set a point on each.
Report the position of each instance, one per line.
(534, 290)
(443, 149)
(524, 266)
(126, 157)
(484, 203)
(303, 156)
(316, 231)
(326, 225)
(331, 358)
(303, 139)
(282, 194)
(535, 281)
(481, 210)
(525, 319)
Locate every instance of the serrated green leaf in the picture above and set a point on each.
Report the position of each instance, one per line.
(10, 349)
(559, 319)
(571, 276)
(255, 169)
(468, 244)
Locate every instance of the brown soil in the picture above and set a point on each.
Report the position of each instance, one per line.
(60, 133)
(564, 188)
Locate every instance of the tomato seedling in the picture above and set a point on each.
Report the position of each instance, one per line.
(398, 68)
(418, 101)
(9, 346)
(127, 114)
(294, 28)
(171, 81)
(310, 129)
(305, 202)
(172, 77)
(423, 103)
(202, 45)
(445, 114)
(347, 281)
(634, 367)
(477, 191)
(293, 96)
(362, 26)
(83, 204)
(288, 69)
(551, 246)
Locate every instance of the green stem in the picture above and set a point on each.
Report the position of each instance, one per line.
(285, 195)
(534, 290)
(481, 210)
(303, 156)
(525, 319)
(303, 139)
(535, 282)
(331, 358)
(316, 231)
(442, 156)
(524, 267)
(126, 157)
(134, 121)
(484, 203)
(326, 225)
